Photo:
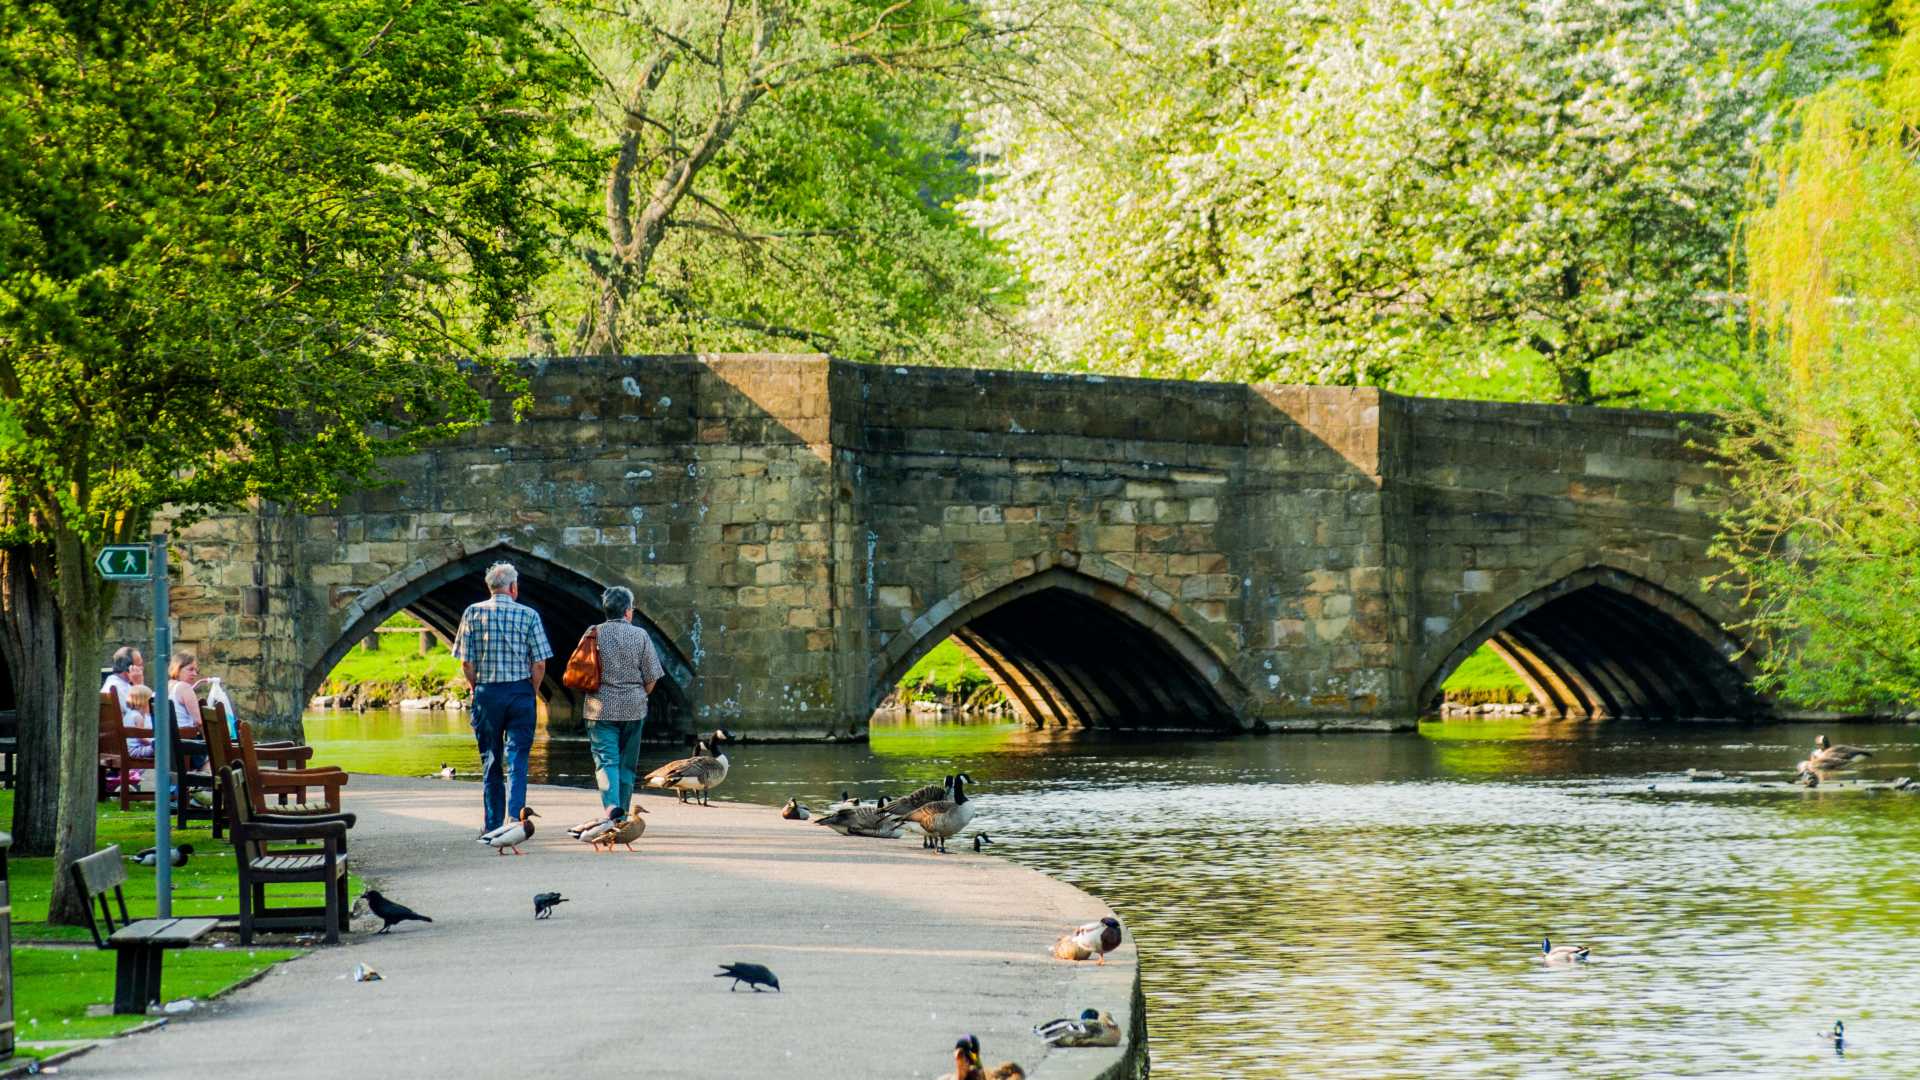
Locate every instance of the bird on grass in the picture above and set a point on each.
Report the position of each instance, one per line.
(625, 831)
(151, 856)
(390, 913)
(446, 772)
(1091, 941)
(1827, 757)
(1091, 1028)
(512, 834)
(544, 903)
(942, 819)
(795, 811)
(754, 975)
(1562, 954)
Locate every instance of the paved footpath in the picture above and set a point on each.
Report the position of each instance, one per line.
(885, 954)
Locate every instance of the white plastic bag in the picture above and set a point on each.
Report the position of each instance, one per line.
(217, 695)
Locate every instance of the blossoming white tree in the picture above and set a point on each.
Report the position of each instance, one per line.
(1383, 191)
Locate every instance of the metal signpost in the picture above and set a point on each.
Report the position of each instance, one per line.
(138, 562)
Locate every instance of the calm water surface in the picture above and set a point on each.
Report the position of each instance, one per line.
(1372, 905)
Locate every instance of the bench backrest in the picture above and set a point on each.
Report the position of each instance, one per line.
(220, 747)
(240, 806)
(95, 876)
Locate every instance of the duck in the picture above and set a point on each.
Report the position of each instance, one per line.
(625, 831)
(697, 775)
(795, 810)
(862, 821)
(151, 856)
(1092, 940)
(943, 819)
(580, 831)
(917, 798)
(1836, 1036)
(1827, 757)
(512, 834)
(966, 1059)
(1562, 954)
(1091, 1028)
(446, 772)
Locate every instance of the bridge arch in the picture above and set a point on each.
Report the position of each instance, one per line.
(438, 590)
(1075, 650)
(1600, 641)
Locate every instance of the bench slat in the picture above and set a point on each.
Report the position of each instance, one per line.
(163, 933)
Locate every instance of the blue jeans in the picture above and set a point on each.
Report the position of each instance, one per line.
(616, 757)
(503, 722)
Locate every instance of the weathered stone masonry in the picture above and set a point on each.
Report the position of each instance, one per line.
(1118, 552)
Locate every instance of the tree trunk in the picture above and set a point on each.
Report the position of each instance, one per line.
(84, 601)
(30, 640)
(1576, 384)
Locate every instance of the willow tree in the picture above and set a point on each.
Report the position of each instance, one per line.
(245, 249)
(1386, 191)
(1824, 538)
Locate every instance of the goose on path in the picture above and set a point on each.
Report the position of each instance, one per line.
(861, 821)
(696, 775)
(943, 819)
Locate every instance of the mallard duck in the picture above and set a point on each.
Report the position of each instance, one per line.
(966, 1060)
(512, 834)
(1562, 954)
(795, 811)
(1827, 757)
(943, 819)
(919, 797)
(1090, 941)
(1091, 1028)
(151, 856)
(1006, 1070)
(697, 775)
(446, 772)
(625, 831)
(594, 825)
(862, 821)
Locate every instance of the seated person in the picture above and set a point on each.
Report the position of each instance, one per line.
(128, 670)
(138, 713)
(183, 675)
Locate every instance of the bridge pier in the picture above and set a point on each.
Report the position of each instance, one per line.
(1119, 553)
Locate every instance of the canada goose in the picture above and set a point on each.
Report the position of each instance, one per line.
(696, 775)
(943, 819)
(1089, 941)
(861, 821)
(512, 834)
(981, 840)
(845, 802)
(919, 797)
(625, 831)
(1091, 1028)
(1827, 757)
(1562, 954)
(794, 811)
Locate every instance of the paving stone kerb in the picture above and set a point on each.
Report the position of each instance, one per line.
(1119, 552)
(885, 954)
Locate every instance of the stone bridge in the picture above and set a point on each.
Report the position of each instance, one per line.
(1116, 552)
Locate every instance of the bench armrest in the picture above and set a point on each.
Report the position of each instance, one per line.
(316, 830)
(302, 777)
(343, 818)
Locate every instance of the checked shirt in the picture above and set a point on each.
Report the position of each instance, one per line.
(502, 639)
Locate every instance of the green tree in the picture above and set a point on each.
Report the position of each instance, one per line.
(784, 175)
(246, 249)
(1425, 196)
(1823, 535)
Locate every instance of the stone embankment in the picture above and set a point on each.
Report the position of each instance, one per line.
(886, 954)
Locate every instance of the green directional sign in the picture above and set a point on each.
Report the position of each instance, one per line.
(125, 562)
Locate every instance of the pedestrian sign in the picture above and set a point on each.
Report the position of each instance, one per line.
(124, 562)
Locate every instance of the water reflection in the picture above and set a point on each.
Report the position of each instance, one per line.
(1371, 905)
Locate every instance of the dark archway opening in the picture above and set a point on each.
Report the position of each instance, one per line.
(1602, 643)
(1070, 652)
(568, 604)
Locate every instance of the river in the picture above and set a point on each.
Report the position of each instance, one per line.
(1364, 905)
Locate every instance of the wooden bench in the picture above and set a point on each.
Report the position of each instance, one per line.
(139, 945)
(116, 755)
(274, 849)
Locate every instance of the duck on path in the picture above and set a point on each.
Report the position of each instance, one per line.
(586, 830)
(1089, 941)
(1091, 1028)
(512, 834)
(625, 831)
(942, 819)
(795, 810)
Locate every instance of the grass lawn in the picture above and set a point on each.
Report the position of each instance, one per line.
(1484, 678)
(397, 667)
(54, 986)
(207, 885)
(946, 670)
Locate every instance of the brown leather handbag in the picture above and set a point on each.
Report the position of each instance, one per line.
(583, 667)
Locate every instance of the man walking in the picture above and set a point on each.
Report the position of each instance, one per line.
(503, 652)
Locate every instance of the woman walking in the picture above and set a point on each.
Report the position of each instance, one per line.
(629, 666)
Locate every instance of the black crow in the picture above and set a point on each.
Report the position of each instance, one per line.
(389, 912)
(754, 975)
(544, 903)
